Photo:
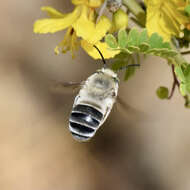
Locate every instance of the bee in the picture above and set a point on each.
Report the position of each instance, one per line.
(94, 102)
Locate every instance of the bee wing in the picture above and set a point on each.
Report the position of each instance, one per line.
(62, 87)
(123, 104)
(133, 112)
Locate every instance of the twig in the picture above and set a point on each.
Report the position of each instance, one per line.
(185, 52)
(175, 83)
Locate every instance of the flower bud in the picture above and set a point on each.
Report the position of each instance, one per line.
(120, 20)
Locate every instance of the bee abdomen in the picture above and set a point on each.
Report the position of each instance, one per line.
(89, 110)
(84, 121)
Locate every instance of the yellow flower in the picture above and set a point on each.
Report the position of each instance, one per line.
(166, 17)
(79, 23)
(89, 3)
(120, 20)
(69, 43)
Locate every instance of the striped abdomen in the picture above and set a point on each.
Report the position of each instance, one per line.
(84, 121)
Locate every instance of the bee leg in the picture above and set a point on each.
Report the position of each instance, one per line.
(62, 87)
(103, 7)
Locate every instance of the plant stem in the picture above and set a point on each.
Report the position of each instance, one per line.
(185, 52)
(179, 59)
(175, 83)
(136, 9)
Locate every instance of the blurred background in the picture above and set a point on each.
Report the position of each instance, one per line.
(143, 147)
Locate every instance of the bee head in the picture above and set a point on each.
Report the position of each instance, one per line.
(106, 71)
(109, 73)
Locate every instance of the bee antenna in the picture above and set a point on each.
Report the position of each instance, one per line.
(131, 65)
(104, 61)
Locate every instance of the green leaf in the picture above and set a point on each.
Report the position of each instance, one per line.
(182, 89)
(188, 88)
(137, 56)
(121, 55)
(179, 73)
(111, 41)
(144, 47)
(133, 37)
(187, 10)
(120, 60)
(186, 72)
(118, 64)
(166, 45)
(168, 53)
(130, 71)
(187, 101)
(185, 89)
(183, 74)
(155, 41)
(140, 42)
(143, 38)
(162, 92)
(133, 48)
(122, 38)
(153, 51)
(127, 51)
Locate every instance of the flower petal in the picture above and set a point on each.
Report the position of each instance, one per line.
(69, 43)
(90, 31)
(89, 3)
(165, 18)
(51, 12)
(53, 25)
(104, 49)
(160, 26)
(79, 2)
(95, 3)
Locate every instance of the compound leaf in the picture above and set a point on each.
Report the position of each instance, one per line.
(122, 38)
(111, 41)
(140, 42)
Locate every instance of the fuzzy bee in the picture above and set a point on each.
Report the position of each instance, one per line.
(94, 102)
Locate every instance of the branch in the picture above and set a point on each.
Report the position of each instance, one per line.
(175, 83)
(185, 52)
